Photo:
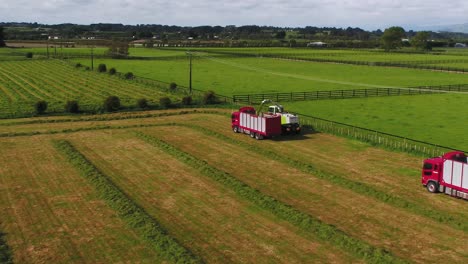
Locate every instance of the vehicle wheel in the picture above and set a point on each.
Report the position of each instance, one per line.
(235, 129)
(431, 187)
(258, 136)
(252, 134)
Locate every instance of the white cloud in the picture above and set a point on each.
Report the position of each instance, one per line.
(369, 14)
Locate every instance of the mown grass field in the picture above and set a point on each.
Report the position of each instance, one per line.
(220, 195)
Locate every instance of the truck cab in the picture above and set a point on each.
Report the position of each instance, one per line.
(431, 173)
(432, 170)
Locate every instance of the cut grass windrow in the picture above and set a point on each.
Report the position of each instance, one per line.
(283, 211)
(5, 252)
(358, 187)
(111, 117)
(135, 216)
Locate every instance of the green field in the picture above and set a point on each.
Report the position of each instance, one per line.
(344, 55)
(438, 119)
(133, 171)
(23, 83)
(230, 76)
(227, 75)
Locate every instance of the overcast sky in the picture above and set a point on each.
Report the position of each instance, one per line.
(367, 14)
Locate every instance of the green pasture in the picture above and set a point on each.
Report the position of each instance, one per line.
(229, 76)
(439, 119)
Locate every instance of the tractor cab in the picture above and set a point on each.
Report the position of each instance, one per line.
(275, 109)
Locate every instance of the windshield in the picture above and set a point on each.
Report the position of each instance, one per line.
(427, 166)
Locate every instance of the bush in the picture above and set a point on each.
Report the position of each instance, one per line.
(72, 107)
(187, 100)
(40, 107)
(78, 65)
(172, 86)
(165, 102)
(112, 71)
(129, 75)
(29, 55)
(112, 103)
(209, 98)
(142, 103)
(102, 68)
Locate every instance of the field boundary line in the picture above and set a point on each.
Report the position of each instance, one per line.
(134, 215)
(306, 222)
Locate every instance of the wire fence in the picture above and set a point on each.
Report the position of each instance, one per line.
(347, 94)
(377, 138)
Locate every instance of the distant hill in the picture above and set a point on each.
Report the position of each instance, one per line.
(461, 28)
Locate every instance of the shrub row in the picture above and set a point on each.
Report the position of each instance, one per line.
(102, 68)
(456, 222)
(283, 211)
(111, 104)
(135, 216)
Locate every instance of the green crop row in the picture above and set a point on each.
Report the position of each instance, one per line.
(25, 83)
(283, 211)
(358, 187)
(134, 215)
(5, 252)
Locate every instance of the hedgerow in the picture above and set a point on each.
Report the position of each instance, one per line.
(134, 215)
(283, 211)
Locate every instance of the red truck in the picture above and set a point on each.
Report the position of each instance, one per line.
(257, 126)
(447, 173)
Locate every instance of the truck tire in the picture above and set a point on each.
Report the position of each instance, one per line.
(258, 136)
(431, 187)
(252, 134)
(235, 129)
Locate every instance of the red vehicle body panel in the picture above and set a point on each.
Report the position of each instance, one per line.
(449, 172)
(248, 122)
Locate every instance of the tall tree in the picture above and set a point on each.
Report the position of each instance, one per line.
(420, 41)
(391, 38)
(2, 36)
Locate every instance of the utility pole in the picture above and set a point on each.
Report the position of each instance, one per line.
(92, 57)
(47, 46)
(190, 71)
